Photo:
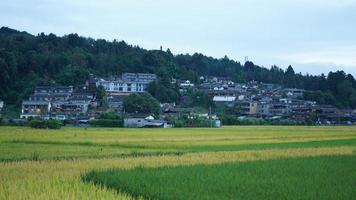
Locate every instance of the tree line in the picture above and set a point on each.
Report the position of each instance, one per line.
(27, 60)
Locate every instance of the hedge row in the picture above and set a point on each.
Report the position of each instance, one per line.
(46, 124)
(106, 123)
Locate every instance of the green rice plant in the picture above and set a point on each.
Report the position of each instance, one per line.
(48, 164)
(61, 179)
(18, 143)
(35, 156)
(328, 177)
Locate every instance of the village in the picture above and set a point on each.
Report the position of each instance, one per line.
(243, 100)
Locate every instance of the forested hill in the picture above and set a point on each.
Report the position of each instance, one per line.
(27, 60)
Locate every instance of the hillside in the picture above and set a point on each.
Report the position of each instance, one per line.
(27, 60)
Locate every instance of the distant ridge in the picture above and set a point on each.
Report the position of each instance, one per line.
(27, 60)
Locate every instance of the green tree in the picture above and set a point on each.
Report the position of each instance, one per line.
(72, 76)
(141, 103)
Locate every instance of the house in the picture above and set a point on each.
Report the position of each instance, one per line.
(127, 83)
(171, 110)
(40, 97)
(43, 90)
(69, 108)
(115, 102)
(84, 91)
(186, 84)
(1, 105)
(253, 108)
(144, 122)
(329, 113)
(247, 108)
(263, 109)
(224, 100)
(278, 109)
(139, 77)
(62, 89)
(35, 109)
(58, 102)
(47, 93)
(292, 92)
(55, 89)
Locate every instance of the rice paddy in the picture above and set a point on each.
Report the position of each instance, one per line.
(327, 177)
(50, 164)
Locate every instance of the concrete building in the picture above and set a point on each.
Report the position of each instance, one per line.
(224, 100)
(59, 102)
(139, 77)
(128, 83)
(186, 84)
(115, 102)
(292, 92)
(1, 106)
(35, 109)
(147, 122)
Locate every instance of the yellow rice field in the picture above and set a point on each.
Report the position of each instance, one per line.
(50, 178)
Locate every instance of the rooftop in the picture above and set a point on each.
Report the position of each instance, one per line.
(35, 103)
(224, 98)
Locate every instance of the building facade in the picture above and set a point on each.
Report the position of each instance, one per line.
(128, 83)
(51, 102)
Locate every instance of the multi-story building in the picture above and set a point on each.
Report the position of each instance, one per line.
(1, 106)
(224, 100)
(35, 109)
(292, 92)
(115, 102)
(50, 102)
(139, 77)
(128, 83)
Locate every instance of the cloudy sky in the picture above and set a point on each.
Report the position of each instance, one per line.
(314, 36)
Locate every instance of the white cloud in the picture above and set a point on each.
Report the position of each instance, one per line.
(342, 56)
(325, 3)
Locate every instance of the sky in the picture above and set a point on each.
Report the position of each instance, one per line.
(314, 36)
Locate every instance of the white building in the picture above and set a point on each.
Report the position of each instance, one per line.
(186, 84)
(128, 83)
(224, 98)
(1, 105)
(35, 109)
(149, 121)
(292, 92)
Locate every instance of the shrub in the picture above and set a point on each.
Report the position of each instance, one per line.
(54, 124)
(107, 123)
(43, 124)
(109, 115)
(38, 124)
(234, 120)
(191, 121)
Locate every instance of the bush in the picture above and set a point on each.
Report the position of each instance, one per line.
(54, 124)
(44, 124)
(109, 115)
(107, 123)
(234, 120)
(192, 121)
(38, 124)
